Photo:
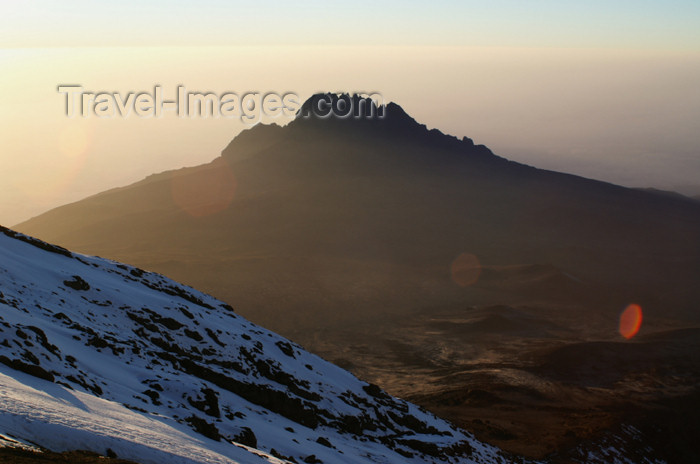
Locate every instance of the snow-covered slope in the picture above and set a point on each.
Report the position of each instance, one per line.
(97, 355)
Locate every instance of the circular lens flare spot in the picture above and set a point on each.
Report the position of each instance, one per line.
(204, 191)
(46, 180)
(73, 141)
(630, 321)
(465, 270)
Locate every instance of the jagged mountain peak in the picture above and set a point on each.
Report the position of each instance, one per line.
(355, 108)
(358, 112)
(115, 357)
(361, 120)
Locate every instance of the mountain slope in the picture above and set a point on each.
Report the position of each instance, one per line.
(371, 214)
(115, 357)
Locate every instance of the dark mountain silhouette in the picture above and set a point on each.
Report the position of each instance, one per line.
(349, 234)
(325, 216)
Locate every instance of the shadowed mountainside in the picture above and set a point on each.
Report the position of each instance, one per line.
(329, 218)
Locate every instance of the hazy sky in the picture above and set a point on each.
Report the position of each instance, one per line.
(604, 89)
(535, 23)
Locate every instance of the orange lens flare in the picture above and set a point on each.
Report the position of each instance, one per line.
(73, 141)
(465, 270)
(204, 192)
(630, 321)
